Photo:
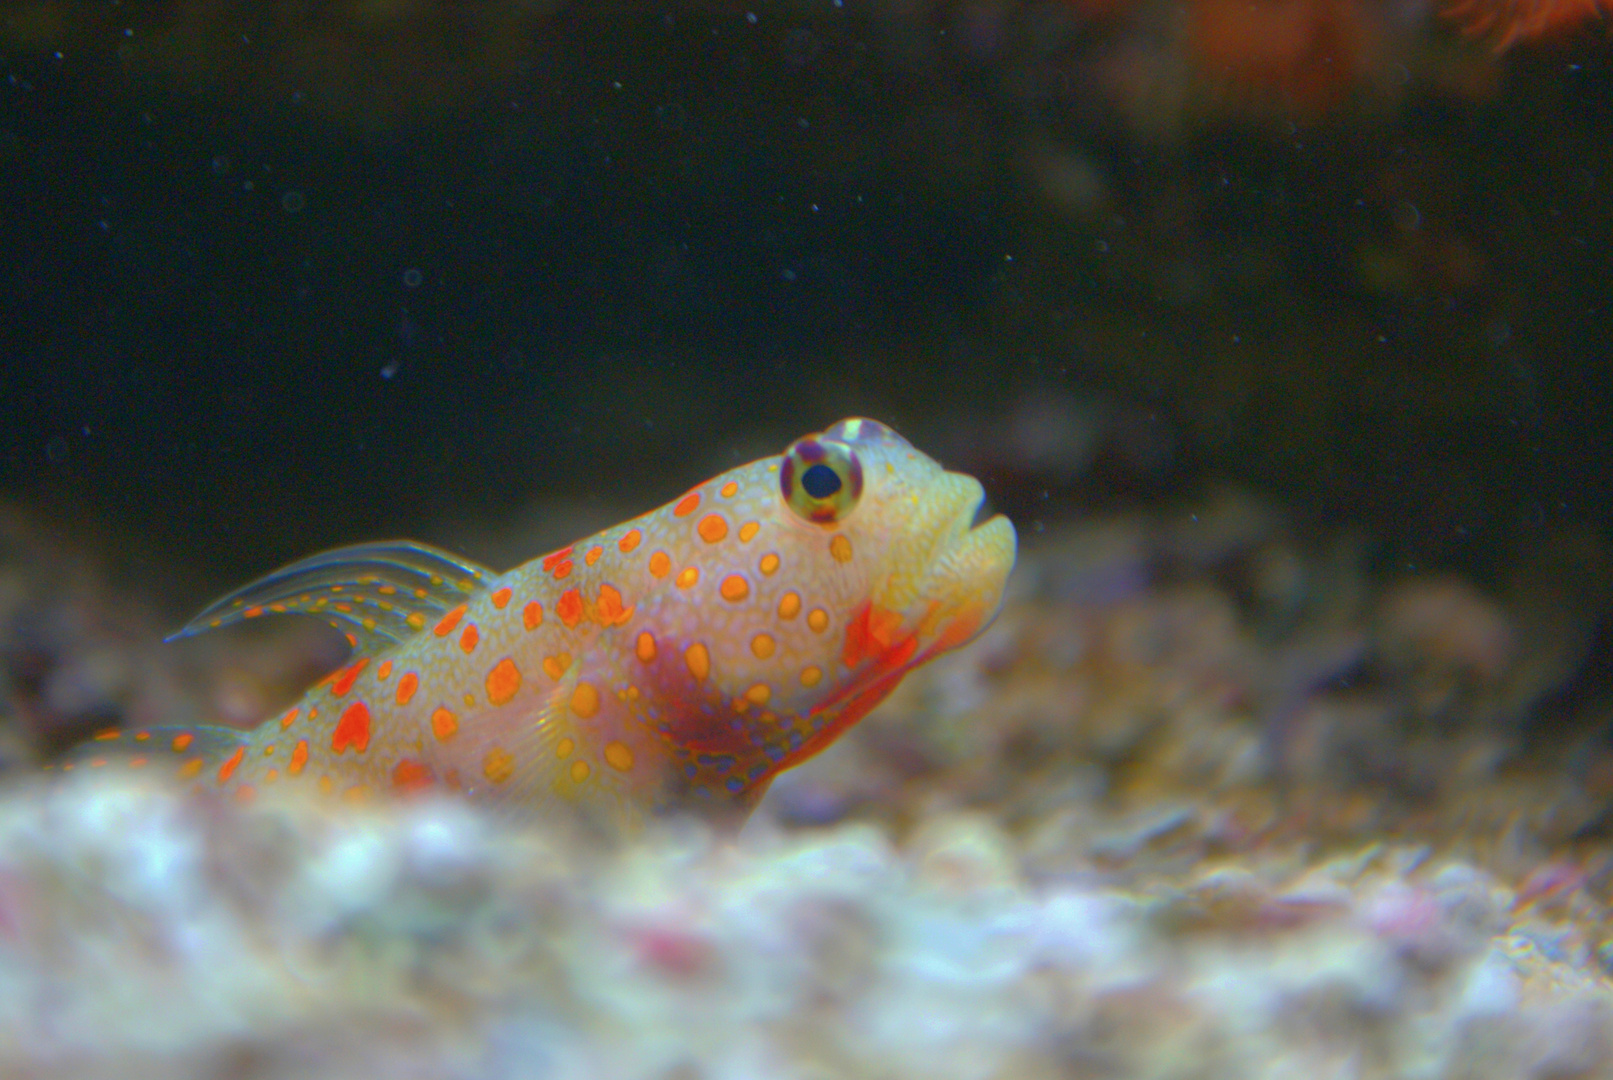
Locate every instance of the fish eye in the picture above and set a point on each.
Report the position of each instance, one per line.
(821, 480)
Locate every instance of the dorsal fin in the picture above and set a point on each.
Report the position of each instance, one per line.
(379, 594)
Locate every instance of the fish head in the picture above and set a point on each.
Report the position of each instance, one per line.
(881, 545)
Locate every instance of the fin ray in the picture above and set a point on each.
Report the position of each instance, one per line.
(380, 594)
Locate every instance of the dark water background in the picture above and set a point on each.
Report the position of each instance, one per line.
(274, 282)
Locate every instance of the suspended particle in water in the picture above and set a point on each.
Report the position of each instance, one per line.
(293, 201)
(412, 278)
(56, 450)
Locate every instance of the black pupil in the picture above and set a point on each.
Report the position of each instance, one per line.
(820, 482)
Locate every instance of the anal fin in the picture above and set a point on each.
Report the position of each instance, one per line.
(379, 594)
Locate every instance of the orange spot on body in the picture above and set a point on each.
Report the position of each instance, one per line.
(759, 694)
(502, 597)
(555, 666)
(182, 741)
(100, 763)
(352, 729)
(569, 607)
(407, 686)
(251, 613)
(469, 637)
(532, 615)
(734, 588)
(748, 530)
(384, 672)
(231, 763)
(416, 620)
(698, 660)
(630, 540)
(762, 646)
(840, 548)
(271, 776)
(299, 757)
(618, 756)
(444, 725)
(499, 765)
(609, 610)
(245, 793)
(688, 576)
(503, 681)
(660, 563)
(789, 606)
(555, 559)
(136, 762)
(141, 736)
(593, 555)
(446, 625)
(190, 769)
(712, 528)
(585, 701)
(818, 620)
(563, 570)
(563, 749)
(730, 489)
(645, 648)
(769, 563)
(349, 675)
(108, 735)
(579, 771)
(686, 505)
(410, 775)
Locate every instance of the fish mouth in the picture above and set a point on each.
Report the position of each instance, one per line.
(966, 565)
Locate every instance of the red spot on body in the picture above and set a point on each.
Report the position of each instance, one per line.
(609, 610)
(352, 729)
(871, 634)
(299, 757)
(554, 560)
(687, 504)
(407, 686)
(469, 638)
(251, 613)
(502, 597)
(411, 775)
(449, 621)
(563, 570)
(532, 615)
(347, 677)
(233, 762)
(569, 607)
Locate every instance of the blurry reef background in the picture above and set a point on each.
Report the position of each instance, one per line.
(1279, 327)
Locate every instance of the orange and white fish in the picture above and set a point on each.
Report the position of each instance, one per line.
(674, 663)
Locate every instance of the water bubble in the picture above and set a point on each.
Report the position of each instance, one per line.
(389, 369)
(412, 278)
(670, 116)
(293, 201)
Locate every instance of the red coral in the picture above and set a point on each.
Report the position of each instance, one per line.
(1511, 22)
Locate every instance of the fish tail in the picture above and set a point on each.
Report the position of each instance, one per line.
(185, 752)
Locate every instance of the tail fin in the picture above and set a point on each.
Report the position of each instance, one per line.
(175, 752)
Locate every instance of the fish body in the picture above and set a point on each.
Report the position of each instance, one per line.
(674, 663)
